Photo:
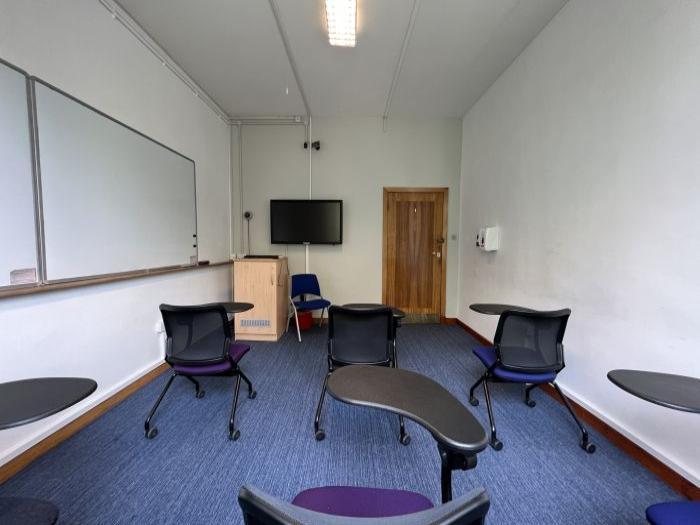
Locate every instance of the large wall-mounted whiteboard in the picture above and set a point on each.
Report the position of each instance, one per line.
(113, 200)
(18, 245)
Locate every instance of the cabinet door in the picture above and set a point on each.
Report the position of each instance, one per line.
(255, 282)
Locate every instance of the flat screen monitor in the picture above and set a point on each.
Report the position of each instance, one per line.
(306, 221)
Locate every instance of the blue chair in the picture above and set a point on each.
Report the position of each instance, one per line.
(527, 349)
(201, 342)
(674, 513)
(306, 296)
(361, 506)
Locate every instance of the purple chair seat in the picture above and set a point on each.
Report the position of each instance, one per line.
(236, 351)
(487, 355)
(362, 502)
(674, 513)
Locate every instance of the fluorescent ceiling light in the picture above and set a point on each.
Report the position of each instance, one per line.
(341, 18)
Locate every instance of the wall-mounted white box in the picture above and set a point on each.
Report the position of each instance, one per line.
(488, 239)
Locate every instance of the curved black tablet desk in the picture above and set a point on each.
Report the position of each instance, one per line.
(668, 390)
(460, 437)
(498, 309)
(26, 401)
(233, 307)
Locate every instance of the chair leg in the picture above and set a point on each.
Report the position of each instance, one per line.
(296, 319)
(472, 400)
(252, 394)
(152, 432)
(320, 321)
(530, 402)
(404, 437)
(318, 431)
(234, 434)
(494, 442)
(198, 392)
(584, 443)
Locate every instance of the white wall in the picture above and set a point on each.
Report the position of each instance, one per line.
(107, 332)
(356, 161)
(275, 166)
(585, 152)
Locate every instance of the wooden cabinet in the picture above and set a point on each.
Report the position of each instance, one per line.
(263, 282)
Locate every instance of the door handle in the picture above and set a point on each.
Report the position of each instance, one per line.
(437, 254)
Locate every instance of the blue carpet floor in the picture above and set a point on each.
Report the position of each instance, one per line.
(109, 473)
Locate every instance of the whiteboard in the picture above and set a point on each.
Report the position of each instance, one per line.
(113, 200)
(18, 245)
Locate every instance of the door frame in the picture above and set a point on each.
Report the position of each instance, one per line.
(443, 270)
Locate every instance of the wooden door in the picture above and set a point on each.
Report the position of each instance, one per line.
(415, 228)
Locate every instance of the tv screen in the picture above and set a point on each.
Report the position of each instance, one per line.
(306, 221)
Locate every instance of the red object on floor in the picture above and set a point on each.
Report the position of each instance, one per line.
(306, 320)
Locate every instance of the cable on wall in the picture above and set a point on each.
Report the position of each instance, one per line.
(120, 15)
(399, 64)
(290, 55)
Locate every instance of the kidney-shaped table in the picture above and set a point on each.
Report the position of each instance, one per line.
(460, 437)
(23, 402)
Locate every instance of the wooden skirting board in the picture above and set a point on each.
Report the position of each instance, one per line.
(18, 463)
(661, 470)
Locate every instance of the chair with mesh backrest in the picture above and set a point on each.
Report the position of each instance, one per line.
(359, 337)
(527, 349)
(361, 506)
(305, 297)
(200, 342)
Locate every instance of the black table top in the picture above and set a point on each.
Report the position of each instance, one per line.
(399, 314)
(668, 390)
(233, 307)
(237, 308)
(29, 400)
(498, 309)
(414, 396)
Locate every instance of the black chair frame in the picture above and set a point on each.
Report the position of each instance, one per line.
(488, 376)
(233, 433)
(333, 363)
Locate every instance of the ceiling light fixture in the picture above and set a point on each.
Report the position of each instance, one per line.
(341, 16)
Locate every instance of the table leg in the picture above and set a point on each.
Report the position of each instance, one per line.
(445, 477)
(452, 460)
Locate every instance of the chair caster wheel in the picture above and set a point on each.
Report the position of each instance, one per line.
(473, 401)
(588, 447)
(151, 433)
(496, 445)
(405, 440)
(252, 395)
(320, 435)
(532, 403)
(233, 436)
(200, 394)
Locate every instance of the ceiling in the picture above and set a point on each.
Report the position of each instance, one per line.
(234, 51)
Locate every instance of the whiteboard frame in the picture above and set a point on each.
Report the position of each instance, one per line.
(41, 281)
(37, 216)
(34, 81)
